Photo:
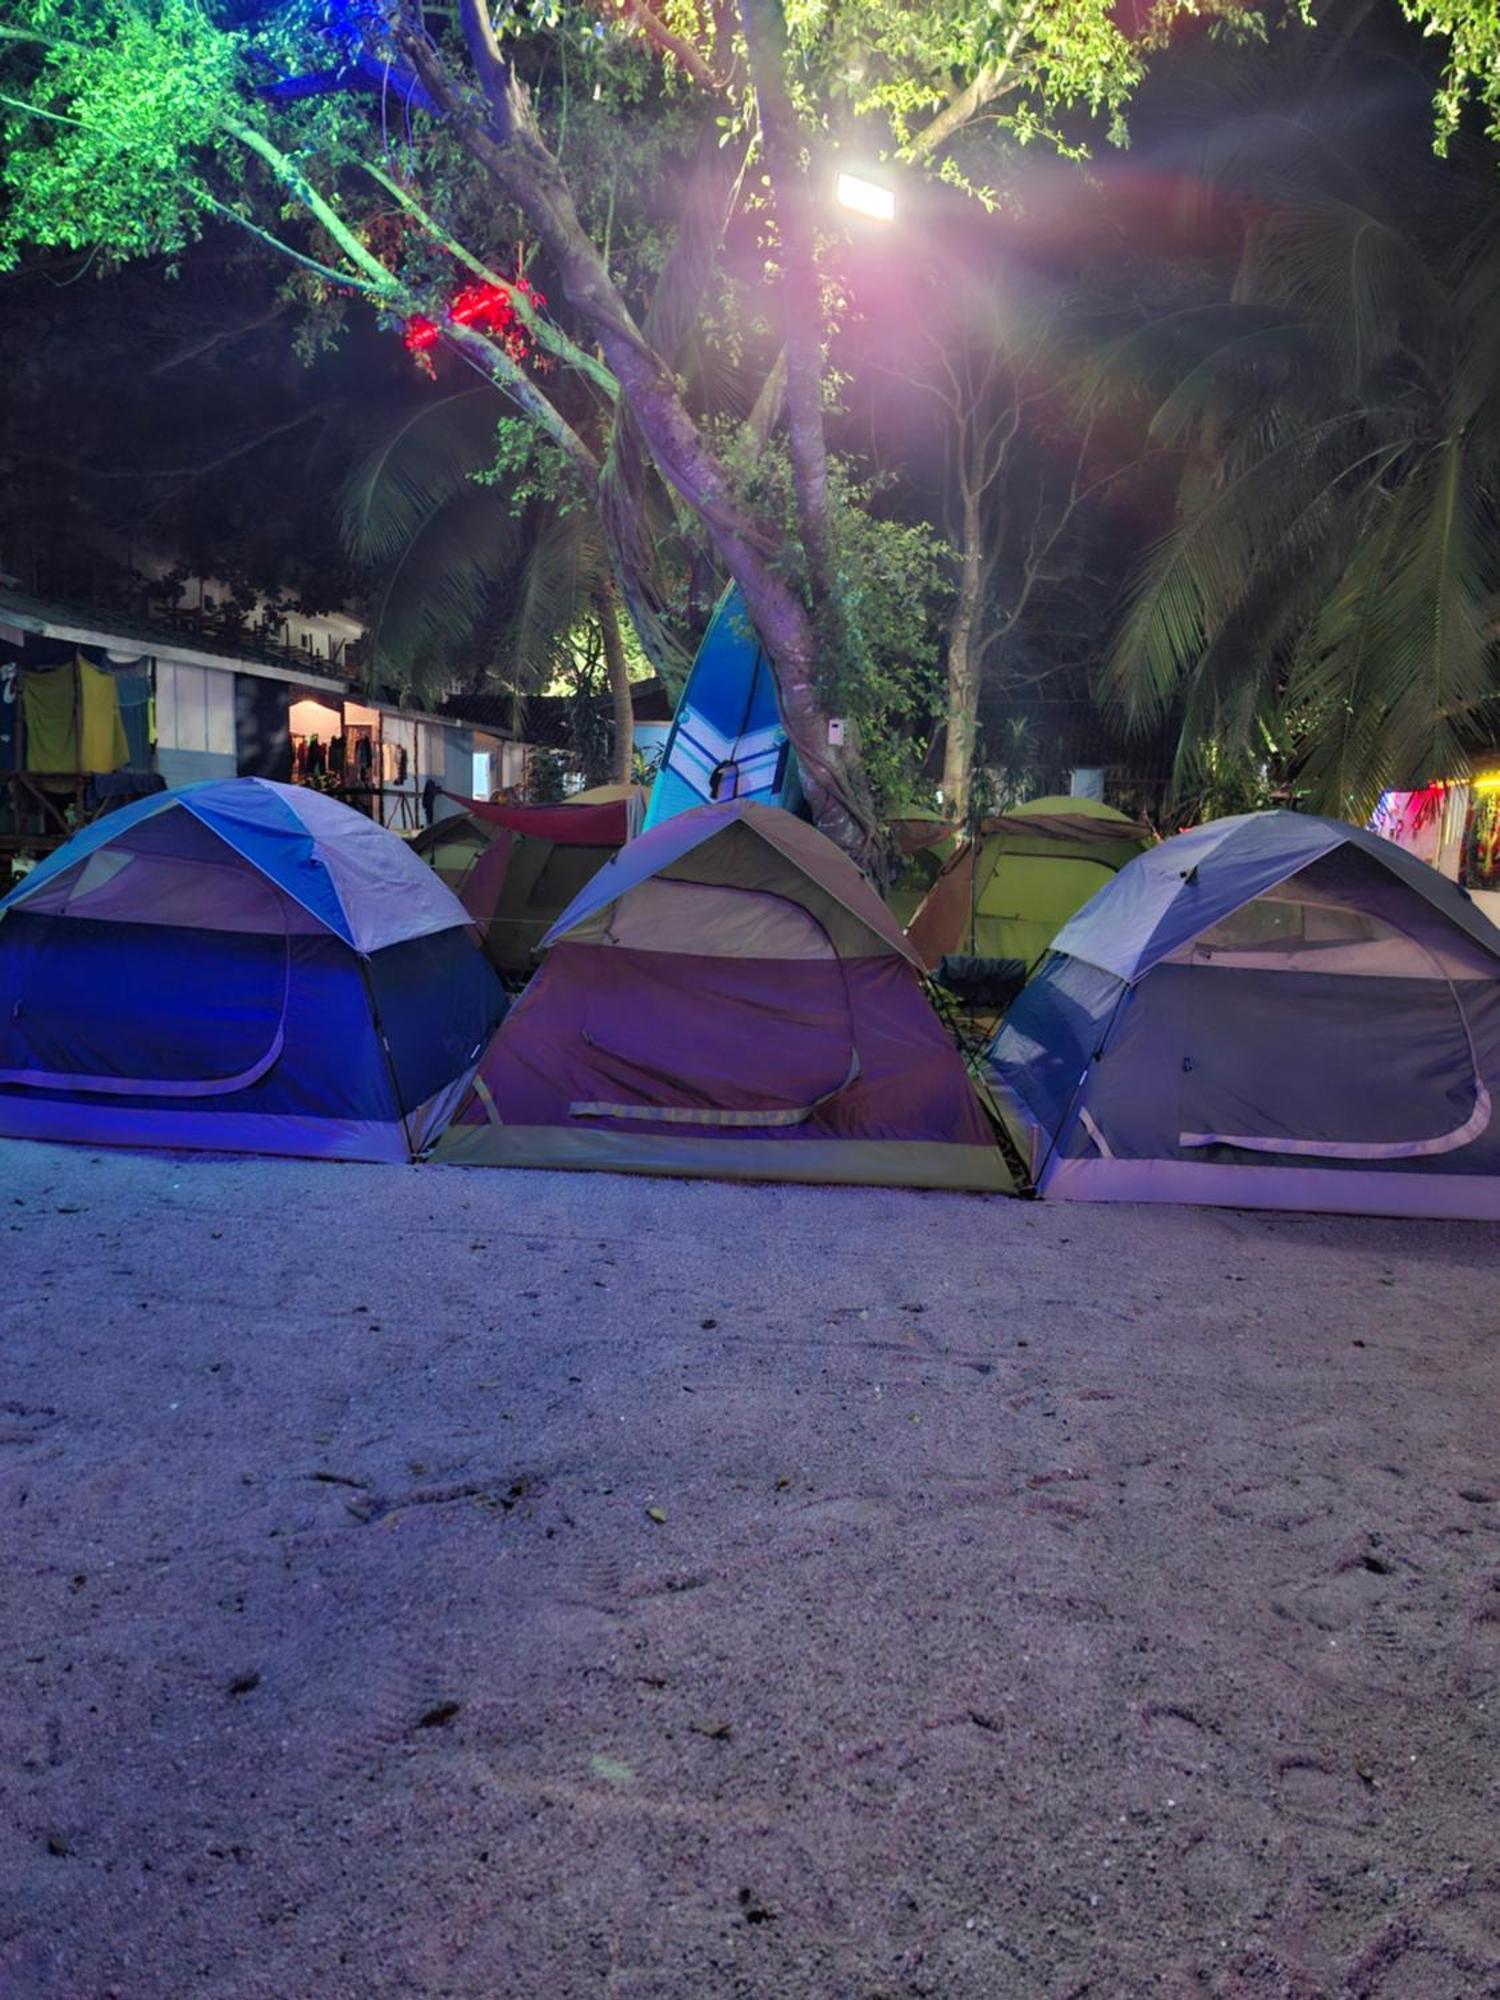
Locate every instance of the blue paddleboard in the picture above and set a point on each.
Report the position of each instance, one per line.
(727, 740)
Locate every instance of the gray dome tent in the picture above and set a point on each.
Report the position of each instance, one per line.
(1273, 1011)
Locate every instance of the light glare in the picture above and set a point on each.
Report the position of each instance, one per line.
(866, 197)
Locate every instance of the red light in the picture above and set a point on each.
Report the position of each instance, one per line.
(485, 306)
(489, 308)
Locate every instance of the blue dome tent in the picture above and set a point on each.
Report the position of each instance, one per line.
(239, 966)
(1273, 1011)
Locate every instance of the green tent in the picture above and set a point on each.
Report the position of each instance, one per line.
(452, 845)
(515, 869)
(923, 842)
(1007, 892)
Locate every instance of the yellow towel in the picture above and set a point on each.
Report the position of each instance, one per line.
(104, 743)
(53, 701)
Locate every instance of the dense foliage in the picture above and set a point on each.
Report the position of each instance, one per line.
(610, 217)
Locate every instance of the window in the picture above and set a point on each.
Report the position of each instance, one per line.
(194, 708)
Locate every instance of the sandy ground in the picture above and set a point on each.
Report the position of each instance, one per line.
(419, 1583)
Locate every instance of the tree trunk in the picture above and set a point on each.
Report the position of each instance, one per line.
(800, 294)
(712, 193)
(508, 146)
(623, 760)
(963, 667)
(624, 517)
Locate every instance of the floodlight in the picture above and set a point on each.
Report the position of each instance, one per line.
(865, 197)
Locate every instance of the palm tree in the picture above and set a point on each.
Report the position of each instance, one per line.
(527, 593)
(1328, 589)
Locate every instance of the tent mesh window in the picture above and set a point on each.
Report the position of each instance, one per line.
(1280, 924)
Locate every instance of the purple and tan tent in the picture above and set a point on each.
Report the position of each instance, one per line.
(729, 997)
(1273, 1011)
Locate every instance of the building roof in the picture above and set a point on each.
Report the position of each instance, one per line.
(119, 632)
(198, 642)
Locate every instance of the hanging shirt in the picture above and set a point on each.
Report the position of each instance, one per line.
(136, 717)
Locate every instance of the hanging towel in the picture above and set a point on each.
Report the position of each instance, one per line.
(47, 697)
(54, 702)
(104, 745)
(131, 673)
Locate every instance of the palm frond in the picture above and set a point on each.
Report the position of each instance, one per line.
(553, 593)
(1333, 682)
(1236, 687)
(1442, 650)
(1265, 356)
(1199, 577)
(1409, 637)
(1474, 398)
(718, 381)
(1336, 555)
(416, 469)
(1353, 274)
(435, 589)
(1147, 362)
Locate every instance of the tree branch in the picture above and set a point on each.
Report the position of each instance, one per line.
(207, 465)
(370, 286)
(983, 87)
(379, 279)
(209, 342)
(491, 361)
(545, 332)
(765, 411)
(713, 188)
(495, 75)
(344, 279)
(682, 52)
(990, 80)
(381, 284)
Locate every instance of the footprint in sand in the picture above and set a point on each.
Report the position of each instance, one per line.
(1317, 1790)
(1449, 1951)
(28, 1969)
(1467, 1926)
(1421, 1974)
(24, 1423)
(1176, 1733)
(1359, 1586)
